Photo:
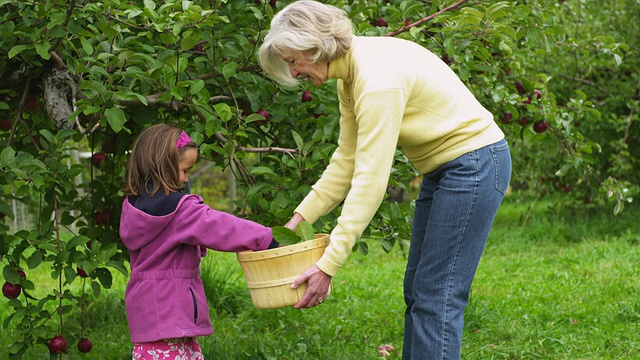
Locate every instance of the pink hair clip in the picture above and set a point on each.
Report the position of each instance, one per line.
(183, 140)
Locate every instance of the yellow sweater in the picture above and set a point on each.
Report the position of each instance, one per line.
(392, 93)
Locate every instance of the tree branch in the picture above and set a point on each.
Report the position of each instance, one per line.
(425, 19)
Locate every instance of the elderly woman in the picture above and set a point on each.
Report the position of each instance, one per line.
(395, 93)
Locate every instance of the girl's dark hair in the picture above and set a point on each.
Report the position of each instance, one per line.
(154, 161)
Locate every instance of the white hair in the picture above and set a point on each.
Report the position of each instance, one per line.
(301, 26)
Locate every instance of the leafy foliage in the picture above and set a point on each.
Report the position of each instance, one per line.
(564, 64)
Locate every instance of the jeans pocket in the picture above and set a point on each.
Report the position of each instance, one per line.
(502, 164)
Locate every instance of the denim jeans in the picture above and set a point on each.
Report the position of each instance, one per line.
(454, 213)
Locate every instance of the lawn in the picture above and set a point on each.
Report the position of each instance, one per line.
(551, 285)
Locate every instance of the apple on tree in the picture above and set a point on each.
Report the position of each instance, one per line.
(380, 22)
(98, 158)
(58, 345)
(506, 119)
(31, 104)
(537, 93)
(102, 217)
(264, 114)
(11, 291)
(306, 96)
(540, 126)
(5, 124)
(85, 345)
(82, 273)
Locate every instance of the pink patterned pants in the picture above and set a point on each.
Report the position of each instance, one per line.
(174, 349)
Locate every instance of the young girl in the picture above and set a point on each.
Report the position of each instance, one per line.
(167, 231)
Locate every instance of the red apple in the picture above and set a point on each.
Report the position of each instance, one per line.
(22, 274)
(82, 273)
(266, 116)
(380, 22)
(102, 217)
(11, 291)
(506, 119)
(31, 104)
(58, 345)
(520, 88)
(523, 121)
(198, 48)
(447, 59)
(628, 72)
(98, 158)
(567, 188)
(85, 345)
(540, 126)
(537, 93)
(5, 124)
(306, 96)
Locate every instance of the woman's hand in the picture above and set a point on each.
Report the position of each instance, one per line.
(294, 221)
(318, 284)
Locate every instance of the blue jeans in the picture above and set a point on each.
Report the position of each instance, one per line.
(454, 213)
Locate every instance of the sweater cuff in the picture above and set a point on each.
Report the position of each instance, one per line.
(327, 266)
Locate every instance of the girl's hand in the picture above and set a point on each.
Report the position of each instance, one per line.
(318, 284)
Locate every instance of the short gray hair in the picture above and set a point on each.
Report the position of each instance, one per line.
(305, 25)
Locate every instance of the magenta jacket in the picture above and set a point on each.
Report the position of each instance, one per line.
(165, 297)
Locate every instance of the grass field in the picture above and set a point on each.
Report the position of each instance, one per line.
(551, 285)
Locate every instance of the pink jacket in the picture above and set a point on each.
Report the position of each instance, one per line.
(165, 297)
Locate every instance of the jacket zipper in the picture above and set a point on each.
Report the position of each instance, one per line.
(195, 307)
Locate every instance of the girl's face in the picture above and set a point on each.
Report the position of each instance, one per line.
(315, 73)
(188, 159)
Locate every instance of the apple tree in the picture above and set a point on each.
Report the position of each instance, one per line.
(82, 77)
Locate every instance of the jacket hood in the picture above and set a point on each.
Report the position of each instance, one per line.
(137, 228)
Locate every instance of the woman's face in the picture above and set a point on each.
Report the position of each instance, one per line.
(315, 73)
(186, 162)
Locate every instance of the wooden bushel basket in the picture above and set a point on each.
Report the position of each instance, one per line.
(269, 273)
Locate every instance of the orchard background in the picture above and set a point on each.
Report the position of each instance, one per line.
(80, 79)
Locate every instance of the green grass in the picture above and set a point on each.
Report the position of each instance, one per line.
(551, 285)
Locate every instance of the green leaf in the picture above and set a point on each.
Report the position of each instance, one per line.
(77, 241)
(11, 275)
(96, 288)
(262, 170)
(298, 139)
(284, 235)
(47, 135)
(563, 170)
(229, 69)
(34, 260)
(105, 277)
(86, 46)
(17, 50)
(7, 156)
(149, 4)
(42, 48)
(5, 209)
(69, 274)
(305, 231)
(224, 111)
(115, 118)
(196, 86)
